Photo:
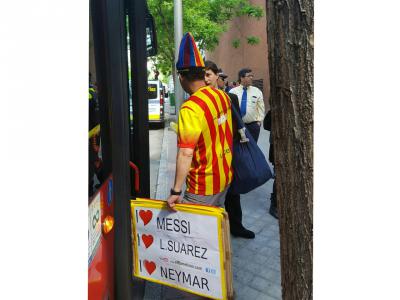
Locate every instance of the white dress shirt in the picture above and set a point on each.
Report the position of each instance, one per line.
(255, 109)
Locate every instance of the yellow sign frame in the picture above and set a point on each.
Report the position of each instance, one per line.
(188, 208)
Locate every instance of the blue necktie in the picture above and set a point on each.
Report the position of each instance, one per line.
(243, 104)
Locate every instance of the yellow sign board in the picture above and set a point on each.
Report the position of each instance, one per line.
(188, 249)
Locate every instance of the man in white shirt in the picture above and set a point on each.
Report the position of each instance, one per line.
(251, 102)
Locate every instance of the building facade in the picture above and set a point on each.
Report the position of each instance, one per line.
(255, 57)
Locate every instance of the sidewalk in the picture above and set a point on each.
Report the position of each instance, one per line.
(256, 262)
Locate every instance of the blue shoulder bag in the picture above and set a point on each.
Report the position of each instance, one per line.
(250, 168)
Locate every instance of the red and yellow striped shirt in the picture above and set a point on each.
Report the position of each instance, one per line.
(205, 125)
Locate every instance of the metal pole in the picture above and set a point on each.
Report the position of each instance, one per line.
(177, 37)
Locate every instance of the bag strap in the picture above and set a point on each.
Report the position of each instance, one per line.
(237, 116)
(239, 122)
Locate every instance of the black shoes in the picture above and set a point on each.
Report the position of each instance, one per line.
(244, 233)
(273, 212)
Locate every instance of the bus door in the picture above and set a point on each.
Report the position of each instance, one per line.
(117, 30)
(100, 187)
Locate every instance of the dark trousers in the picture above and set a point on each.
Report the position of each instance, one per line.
(254, 130)
(234, 210)
(273, 195)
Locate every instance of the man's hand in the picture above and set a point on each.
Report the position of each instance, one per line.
(172, 200)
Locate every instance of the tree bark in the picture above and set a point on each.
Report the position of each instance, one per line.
(291, 62)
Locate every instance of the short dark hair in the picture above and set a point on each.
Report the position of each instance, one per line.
(193, 74)
(210, 65)
(243, 72)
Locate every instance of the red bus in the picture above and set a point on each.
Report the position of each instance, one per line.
(122, 35)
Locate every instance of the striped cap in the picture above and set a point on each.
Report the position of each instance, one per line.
(189, 56)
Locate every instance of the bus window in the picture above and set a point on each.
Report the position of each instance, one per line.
(95, 155)
(151, 40)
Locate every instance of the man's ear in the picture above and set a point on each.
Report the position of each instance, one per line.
(182, 81)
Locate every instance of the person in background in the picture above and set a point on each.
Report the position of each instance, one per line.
(222, 84)
(215, 77)
(205, 141)
(273, 208)
(227, 87)
(251, 102)
(156, 74)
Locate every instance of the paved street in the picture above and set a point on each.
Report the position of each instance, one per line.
(256, 263)
(155, 143)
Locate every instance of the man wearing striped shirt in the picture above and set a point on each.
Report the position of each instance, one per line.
(204, 134)
(251, 102)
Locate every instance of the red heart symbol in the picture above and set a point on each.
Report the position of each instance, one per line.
(150, 266)
(145, 215)
(147, 240)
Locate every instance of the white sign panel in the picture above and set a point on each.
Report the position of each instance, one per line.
(179, 249)
(94, 226)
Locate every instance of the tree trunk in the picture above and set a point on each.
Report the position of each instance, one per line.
(291, 62)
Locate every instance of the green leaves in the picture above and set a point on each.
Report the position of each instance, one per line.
(205, 19)
(253, 40)
(236, 43)
(252, 11)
